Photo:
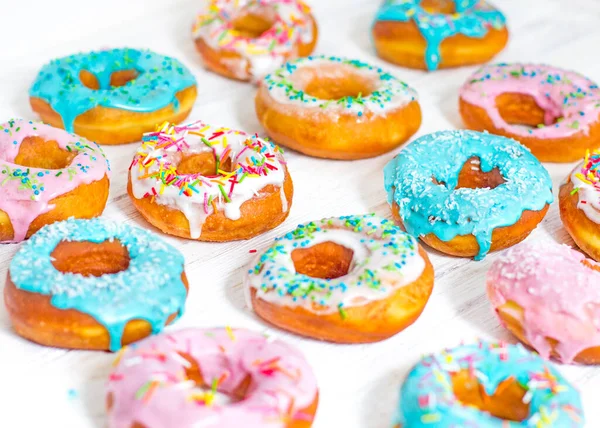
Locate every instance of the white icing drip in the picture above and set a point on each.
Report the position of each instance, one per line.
(284, 201)
(370, 254)
(589, 196)
(194, 206)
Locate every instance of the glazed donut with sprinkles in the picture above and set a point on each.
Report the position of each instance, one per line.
(47, 175)
(171, 380)
(94, 284)
(352, 279)
(337, 108)
(579, 201)
(433, 34)
(210, 183)
(113, 96)
(554, 112)
(247, 39)
(487, 385)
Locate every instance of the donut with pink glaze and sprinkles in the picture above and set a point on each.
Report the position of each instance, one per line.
(172, 380)
(47, 175)
(554, 112)
(547, 295)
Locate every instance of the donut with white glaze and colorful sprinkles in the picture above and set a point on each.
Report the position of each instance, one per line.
(173, 380)
(552, 111)
(579, 202)
(248, 39)
(492, 385)
(337, 108)
(113, 96)
(94, 284)
(434, 34)
(466, 193)
(547, 295)
(47, 175)
(210, 183)
(352, 279)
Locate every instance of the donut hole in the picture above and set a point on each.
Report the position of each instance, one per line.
(204, 163)
(254, 23)
(90, 258)
(472, 177)
(522, 109)
(35, 152)
(117, 78)
(333, 82)
(439, 6)
(210, 391)
(506, 403)
(326, 260)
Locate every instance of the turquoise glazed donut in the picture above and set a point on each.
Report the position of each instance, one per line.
(472, 18)
(158, 80)
(150, 288)
(427, 398)
(440, 208)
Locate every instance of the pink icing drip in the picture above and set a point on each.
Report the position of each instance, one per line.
(229, 356)
(560, 93)
(21, 205)
(560, 296)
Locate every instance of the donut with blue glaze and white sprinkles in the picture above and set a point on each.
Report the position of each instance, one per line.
(352, 279)
(434, 34)
(47, 175)
(94, 284)
(552, 111)
(338, 108)
(466, 193)
(247, 39)
(113, 96)
(210, 183)
(493, 385)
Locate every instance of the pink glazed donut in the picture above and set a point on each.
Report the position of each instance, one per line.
(548, 295)
(554, 112)
(47, 175)
(171, 380)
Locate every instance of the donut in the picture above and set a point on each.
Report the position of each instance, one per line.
(247, 39)
(352, 279)
(547, 295)
(433, 34)
(579, 201)
(47, 175)
(210, 183)
(467, 193)
(171, 380)
(487, 385)
(93, 284)
(554, 112)
(113, 96)
(336, 108)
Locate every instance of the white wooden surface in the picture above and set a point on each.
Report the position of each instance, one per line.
(358, 384)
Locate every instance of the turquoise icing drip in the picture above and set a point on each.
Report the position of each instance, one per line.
(473, 18)
(447, 212)
(427, 398)
(150, 289)
(160, 78)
